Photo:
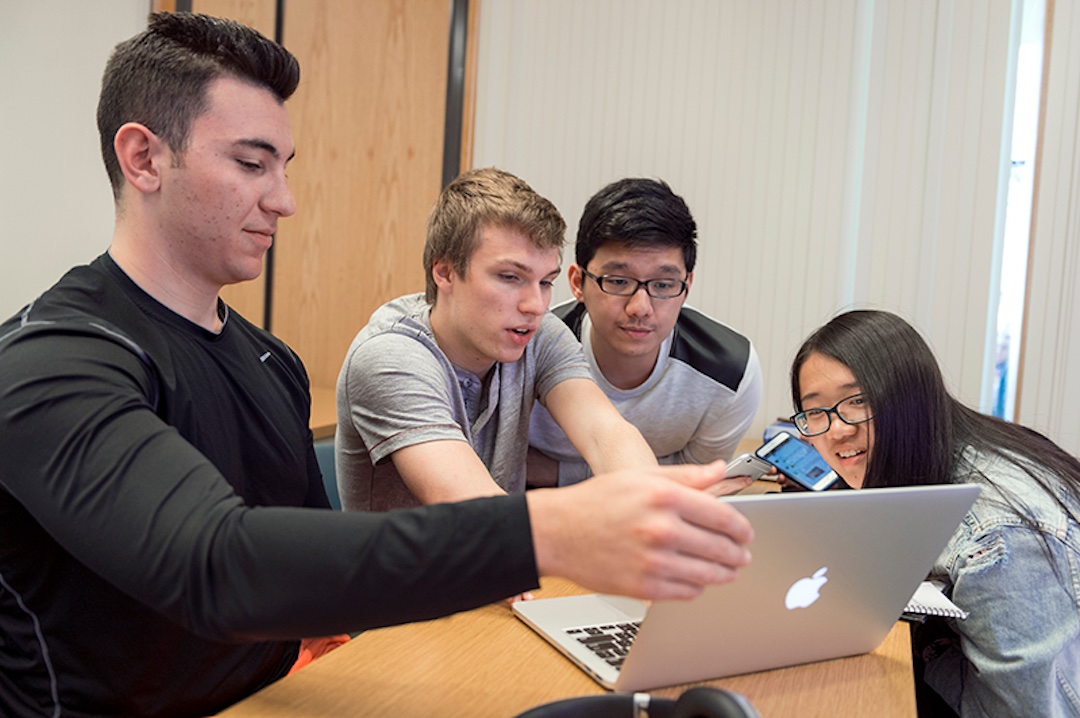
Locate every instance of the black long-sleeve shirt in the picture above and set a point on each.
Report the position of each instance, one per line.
(153, 560)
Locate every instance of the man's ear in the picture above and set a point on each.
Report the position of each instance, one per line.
(443, 274)
(140, 154)
(576, 277)
(689, 283)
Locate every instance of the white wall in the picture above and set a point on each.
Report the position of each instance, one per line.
(54, 194)
(835, 153)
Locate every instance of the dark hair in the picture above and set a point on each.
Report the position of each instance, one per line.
(636, 212)
(920, 429)
(480, 198)
(160, 77)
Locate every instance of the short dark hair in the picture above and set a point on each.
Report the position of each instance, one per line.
(480, 198)
(160, 77)
(636, 212)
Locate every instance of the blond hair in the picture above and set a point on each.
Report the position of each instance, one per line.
(481, 198)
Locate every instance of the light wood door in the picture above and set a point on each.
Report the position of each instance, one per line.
(368, 121)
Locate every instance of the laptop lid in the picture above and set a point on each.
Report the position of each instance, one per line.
(830, 575)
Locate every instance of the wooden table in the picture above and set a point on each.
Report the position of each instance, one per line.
(487, 663)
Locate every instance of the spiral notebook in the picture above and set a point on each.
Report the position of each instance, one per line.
(930, 601)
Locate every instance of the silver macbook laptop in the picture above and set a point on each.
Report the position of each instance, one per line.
(830, 575)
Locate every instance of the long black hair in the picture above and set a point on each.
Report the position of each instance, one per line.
(920, 429)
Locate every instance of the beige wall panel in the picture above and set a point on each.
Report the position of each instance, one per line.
(54, 194)
(1050, 382)
(368, 122)
(248, 298)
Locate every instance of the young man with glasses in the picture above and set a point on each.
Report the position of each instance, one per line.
(690, 384)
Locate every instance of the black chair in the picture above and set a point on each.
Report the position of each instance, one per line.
(324, 452)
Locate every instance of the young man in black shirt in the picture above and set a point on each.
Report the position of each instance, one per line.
(164, 542)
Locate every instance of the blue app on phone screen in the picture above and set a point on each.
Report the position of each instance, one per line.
(799, 461)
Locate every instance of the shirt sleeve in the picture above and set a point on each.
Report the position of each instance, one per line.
(1021, 640)
(724, 426)
(399, 394)
(128, 497)
(559, 356)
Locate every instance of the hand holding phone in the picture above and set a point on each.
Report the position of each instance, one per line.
(740, 473)
(747, 465)
(799, 461)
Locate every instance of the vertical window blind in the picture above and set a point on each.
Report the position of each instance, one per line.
(836, 154)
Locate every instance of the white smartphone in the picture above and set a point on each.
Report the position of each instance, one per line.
(799, 461)
(747, 465)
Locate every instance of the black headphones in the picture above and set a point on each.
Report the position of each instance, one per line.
(694, 703)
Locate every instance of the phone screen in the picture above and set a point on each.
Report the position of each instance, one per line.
(799, 461)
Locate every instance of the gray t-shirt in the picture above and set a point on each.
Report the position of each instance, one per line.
(397, 388)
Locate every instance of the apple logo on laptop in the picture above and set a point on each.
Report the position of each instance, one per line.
(806, 590)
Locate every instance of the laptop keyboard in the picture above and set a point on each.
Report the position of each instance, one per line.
(609, 641)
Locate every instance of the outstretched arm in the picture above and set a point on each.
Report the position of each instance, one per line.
(444, 471)
(598, 431)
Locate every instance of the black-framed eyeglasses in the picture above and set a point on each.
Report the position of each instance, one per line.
(628, 286)
(852, 410)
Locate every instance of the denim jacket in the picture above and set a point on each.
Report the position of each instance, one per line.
(1020, 644)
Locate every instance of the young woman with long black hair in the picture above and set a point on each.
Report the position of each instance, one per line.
(869, 395)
